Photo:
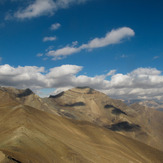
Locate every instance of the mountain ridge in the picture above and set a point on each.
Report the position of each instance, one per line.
(98, 108)
(88, 107)
(40, 137)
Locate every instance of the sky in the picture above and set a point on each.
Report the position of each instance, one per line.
(113, 46)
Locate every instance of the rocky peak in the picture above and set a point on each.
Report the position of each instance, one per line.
(24, 93)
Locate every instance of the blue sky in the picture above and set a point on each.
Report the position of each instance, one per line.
(93, 38)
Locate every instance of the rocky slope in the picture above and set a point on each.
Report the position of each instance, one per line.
(152, 121)
(27, 97)
(31, 135)
(86, 104)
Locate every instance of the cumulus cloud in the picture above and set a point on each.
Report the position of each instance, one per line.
(113, 37)
(64, 70)
(22, 77)
(141, 83)
(55, 26)
(36, 77)
(146, 71)
(44, 7)
(51, 38)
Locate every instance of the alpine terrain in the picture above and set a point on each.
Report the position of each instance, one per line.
(78, 125)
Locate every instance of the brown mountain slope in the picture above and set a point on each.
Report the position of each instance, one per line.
(93, 106)
(31, 135)
(6, 99)
(152, 121)
(25, 97)
(90, 105)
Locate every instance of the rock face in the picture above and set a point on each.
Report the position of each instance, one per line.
(33, 135)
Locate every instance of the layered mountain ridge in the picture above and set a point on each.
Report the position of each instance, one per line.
(78, 125)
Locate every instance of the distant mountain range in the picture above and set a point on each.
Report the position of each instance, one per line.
(78, 125)
(148, 103)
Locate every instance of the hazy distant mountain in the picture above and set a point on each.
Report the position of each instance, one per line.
(158, 105)
(42, 133)
(152, 104)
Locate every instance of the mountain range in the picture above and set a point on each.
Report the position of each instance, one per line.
(78, 125)
(154, 104)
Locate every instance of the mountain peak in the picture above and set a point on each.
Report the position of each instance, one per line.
(76, 90)
(84, 90)
(25, 92)
(17, 92)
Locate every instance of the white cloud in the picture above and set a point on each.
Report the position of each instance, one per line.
(51, 38)
(55, 26)
(146, 71)
(141, 83)
(60, 53)
(113, 37)
(111, 72)
(49, 48)
(36, 9)
(39, 54)
(64, 70)
(44, 7)
(22, 77)
(74, 43)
